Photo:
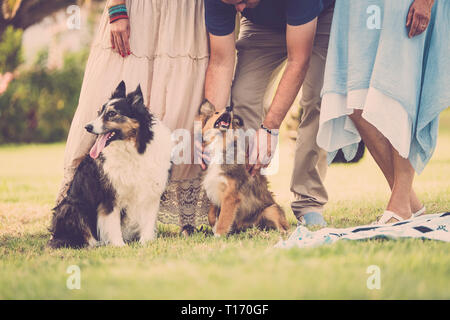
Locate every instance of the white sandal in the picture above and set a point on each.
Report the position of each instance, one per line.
(419, 213)
(388, 217)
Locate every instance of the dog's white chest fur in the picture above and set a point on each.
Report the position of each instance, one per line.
(135, 176)
(214, 183)
(139, 179)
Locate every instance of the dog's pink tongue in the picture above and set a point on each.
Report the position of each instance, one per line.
(99, 145)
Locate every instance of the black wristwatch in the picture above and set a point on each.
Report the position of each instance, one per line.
(270, 131)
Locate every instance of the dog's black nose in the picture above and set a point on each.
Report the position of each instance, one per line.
(89, 127)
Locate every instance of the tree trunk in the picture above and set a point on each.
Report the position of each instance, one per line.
(24, 13)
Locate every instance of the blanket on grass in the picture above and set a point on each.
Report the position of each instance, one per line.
(431, 226)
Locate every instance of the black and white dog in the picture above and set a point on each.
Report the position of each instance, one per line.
(115, 194)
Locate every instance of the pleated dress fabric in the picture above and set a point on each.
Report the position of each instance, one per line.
(401, 84)
(169, 58)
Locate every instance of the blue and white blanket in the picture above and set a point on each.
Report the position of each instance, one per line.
(432, 227)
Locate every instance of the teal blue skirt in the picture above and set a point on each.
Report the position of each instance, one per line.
(401, 84)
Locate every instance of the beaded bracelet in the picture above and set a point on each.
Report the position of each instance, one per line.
(117, 12)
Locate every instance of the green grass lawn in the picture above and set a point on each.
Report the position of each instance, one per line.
(244, 266)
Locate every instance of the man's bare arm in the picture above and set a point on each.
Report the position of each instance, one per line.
(300, 40)
(219, 74)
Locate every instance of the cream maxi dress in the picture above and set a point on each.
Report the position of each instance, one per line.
(170, 56)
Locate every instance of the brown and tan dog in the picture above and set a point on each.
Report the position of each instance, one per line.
(238, 199)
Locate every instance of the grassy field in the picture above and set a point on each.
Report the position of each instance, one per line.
(244, 266)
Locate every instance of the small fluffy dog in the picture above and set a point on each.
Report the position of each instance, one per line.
(115, 193)
(239, 200)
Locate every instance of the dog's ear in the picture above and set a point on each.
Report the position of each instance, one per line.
(136, 97)
(145, 119)
(207, 109)
(238, 122)
(120, 91)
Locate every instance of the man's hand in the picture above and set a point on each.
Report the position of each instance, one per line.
(261, 150)
(419, 17)
(240, 5)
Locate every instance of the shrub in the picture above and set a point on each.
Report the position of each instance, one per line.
(39, 104)
(10, 50)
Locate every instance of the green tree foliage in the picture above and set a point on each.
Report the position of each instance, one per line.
(39, 103)
(38, 106)
(10, 50)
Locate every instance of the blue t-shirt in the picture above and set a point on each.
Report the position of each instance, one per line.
(220, 17)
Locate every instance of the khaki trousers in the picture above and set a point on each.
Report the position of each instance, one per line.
(261, 52)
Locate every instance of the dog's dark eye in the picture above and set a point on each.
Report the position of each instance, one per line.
(111, 114)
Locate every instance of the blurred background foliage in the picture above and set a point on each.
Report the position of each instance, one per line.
(38, 98)
(10, 50)
(39, 104)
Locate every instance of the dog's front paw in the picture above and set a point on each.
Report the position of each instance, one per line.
(143, 241)
(145, 238)
(117, 243)
(220, 233)
(92, 243)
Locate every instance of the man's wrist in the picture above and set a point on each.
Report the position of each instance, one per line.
(272, 132)
(270, 124)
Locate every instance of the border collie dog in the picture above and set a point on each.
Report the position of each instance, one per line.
(115, 194)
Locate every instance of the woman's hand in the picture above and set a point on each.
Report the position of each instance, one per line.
(419, 17)
(120, 33)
